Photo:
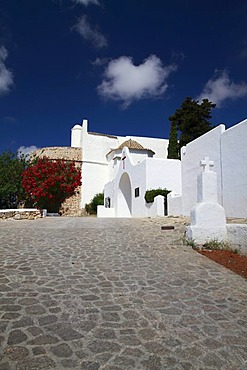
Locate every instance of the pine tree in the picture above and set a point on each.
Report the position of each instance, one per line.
(173, 143)
(192, 119)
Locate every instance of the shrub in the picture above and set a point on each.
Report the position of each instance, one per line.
(98, 200)
(49, 182)
(152, 193)
(216, 245)
(11, 191)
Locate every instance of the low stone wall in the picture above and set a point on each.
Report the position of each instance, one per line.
(20, 214)
(237, 236)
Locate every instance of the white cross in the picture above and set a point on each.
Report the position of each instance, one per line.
(206, 164)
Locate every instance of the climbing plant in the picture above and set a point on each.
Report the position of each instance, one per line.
(49, 182)
(152, 193)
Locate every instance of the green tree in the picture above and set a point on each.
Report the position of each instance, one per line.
(173, 143)
(192, 119)
(98, 200)
(11, 191)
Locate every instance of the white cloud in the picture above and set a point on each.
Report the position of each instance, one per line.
(84, 28)
(86, 2)
(220, 87)
(26, 150)
(98, 62)
(242, 52)
(126, 82)
(6, 76)
(9, 119)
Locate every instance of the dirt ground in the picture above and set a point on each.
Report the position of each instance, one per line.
(233, 261)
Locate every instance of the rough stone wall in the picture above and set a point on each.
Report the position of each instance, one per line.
(20, 215)
(62, 152)
(71, 206)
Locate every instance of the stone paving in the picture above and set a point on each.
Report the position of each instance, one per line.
(115, 294)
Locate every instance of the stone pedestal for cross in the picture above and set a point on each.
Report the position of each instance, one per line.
(207, 217)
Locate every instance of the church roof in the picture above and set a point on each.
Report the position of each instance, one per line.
(99, 134)
(131, 144)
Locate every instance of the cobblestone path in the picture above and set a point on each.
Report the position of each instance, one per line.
(115, 294)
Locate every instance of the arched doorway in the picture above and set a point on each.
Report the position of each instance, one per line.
(124, 196)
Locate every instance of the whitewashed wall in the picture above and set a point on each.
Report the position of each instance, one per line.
(97, 170)
(113, 164)
(95, 147)
(137, 174)
(149, 173)
(93, 181)
(76, 136)
(157, 207)
(137, 156)
(102, 211)
(227, 149)
(234, 170)
(163, 173)
(109, 192)
(174, 204)
(94, 163)
(159, 146)
(208, 145)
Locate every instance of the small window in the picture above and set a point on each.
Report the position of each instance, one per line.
(108, 202)
(137, 192)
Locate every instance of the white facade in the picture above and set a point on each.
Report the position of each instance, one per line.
(76, 136)
(234, 170)
(228, 150)
(101, 162)
(207, 145)
(102, 170)
(127, 190)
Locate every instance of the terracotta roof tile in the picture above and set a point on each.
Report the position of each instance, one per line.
(131, 144)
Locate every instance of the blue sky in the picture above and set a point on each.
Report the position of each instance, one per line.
(125, 65)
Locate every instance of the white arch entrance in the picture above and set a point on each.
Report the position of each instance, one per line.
(124, 196)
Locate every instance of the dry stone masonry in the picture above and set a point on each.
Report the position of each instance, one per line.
(20, 214)
(67, 153)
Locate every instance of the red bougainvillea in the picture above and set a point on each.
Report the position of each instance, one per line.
(49, 182)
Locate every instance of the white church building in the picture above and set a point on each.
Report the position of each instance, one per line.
(125, 167)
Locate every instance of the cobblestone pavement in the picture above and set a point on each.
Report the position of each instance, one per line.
(88, 293)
